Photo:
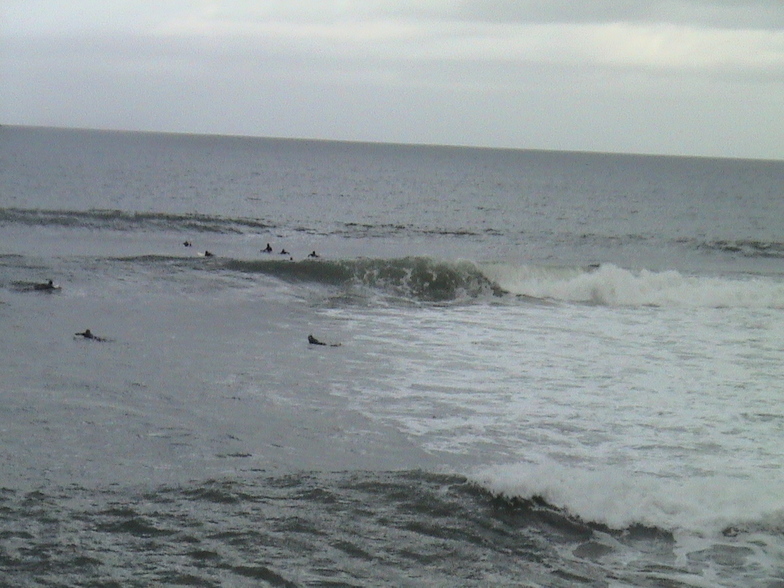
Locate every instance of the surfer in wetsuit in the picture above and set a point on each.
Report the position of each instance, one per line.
(48, 286)
(312, 254)
(313, 341)
(267, 249)
(208, 254)
(88, 335)
(283, 252)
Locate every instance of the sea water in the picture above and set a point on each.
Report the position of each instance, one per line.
(542, 368)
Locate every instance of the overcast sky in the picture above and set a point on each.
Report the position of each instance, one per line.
(686, 77)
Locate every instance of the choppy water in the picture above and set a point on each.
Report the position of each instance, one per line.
(554, 369)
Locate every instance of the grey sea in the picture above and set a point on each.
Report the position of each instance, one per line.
(540, 368)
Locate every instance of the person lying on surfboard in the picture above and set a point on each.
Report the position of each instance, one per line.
(313, 341)
(88, 335)
(48, 286)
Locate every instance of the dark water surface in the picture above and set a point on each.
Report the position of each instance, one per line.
(548, 369)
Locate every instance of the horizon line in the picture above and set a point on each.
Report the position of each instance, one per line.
(391, 143)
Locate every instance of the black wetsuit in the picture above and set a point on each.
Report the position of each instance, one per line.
(88, 335)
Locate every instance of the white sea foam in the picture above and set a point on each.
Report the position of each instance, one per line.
(614, 286)
(618, 498)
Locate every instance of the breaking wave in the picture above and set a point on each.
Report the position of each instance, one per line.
(418, 278)
(426, 279)
(432, 280)
(618, 500)
(352, 528)
(609, 285)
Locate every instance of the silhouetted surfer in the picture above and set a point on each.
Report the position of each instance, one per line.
(88, 335)
(313, 341)
(208, 254)
(283, 252)
(48, 286)
(313, 254)
(188, 244)
(267, 249)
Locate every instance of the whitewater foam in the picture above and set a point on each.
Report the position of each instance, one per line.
(702, 506)
(610, 285)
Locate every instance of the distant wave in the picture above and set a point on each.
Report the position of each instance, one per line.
(609, 285)
(748, 247)
(120, 220)
(386, 229)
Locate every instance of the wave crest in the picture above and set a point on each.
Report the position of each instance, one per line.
(621, 500)
(419, 278)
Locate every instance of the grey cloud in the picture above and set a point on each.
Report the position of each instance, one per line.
(763, 14)
(291, 84)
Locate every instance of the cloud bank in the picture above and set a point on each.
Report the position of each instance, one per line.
(698, 77)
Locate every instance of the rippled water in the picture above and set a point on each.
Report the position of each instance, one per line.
(548, 369)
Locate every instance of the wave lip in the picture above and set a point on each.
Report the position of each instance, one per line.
(609, 285)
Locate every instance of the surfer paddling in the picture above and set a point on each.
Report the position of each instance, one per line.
(313, 341)
(47, 286)
(89, 335)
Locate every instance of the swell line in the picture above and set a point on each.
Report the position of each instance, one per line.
(120, 220)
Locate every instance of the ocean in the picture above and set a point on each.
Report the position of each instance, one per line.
(540, 369)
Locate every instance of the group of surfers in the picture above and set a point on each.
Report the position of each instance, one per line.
(267, 249)
(87, 334)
